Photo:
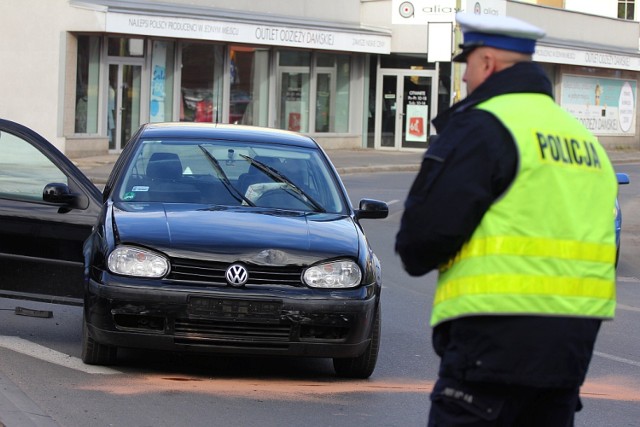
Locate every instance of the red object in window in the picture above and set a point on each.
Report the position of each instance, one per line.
(294, 122)
(416, 126)
(204, 111)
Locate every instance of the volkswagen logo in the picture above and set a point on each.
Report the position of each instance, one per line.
(237, 275)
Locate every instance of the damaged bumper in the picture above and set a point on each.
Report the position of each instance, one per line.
(269, 320)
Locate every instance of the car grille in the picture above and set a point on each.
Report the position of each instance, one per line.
(232, 334)
(213, 273)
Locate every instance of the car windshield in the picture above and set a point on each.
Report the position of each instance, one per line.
(226, 173)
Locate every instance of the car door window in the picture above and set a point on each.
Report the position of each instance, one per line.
(24, 170)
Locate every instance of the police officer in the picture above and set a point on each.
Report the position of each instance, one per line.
(513, 206)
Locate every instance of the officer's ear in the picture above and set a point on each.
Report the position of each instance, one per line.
(490, 62)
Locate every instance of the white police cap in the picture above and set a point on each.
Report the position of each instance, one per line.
(501, 32)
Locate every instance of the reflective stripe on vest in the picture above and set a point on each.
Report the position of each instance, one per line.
(523, 258)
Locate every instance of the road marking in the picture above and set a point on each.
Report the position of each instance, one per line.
(629, 279)
(617, 359)
(627, 307)
(38, 351)
(393, 202)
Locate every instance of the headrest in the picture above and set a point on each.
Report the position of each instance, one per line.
(164, 166)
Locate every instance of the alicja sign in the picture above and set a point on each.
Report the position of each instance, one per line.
(422, 12)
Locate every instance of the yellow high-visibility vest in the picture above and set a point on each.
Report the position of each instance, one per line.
(547, 246)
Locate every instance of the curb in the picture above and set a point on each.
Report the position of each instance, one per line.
(342, 170)
(347, 170)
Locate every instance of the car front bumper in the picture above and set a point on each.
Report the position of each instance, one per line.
(267, 321)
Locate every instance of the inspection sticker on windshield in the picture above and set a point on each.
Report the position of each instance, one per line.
(140, 188)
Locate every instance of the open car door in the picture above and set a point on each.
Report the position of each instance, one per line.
(47, 209)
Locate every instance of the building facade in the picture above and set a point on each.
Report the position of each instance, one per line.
(86, 74)
(356, 73)
(585, 55)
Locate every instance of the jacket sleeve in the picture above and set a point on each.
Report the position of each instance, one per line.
(464, 170)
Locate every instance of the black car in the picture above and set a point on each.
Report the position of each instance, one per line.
(217, 238)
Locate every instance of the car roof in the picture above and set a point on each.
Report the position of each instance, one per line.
(225, 132)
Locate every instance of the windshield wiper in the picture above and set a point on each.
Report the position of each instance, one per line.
(278, 176)
(225, 179)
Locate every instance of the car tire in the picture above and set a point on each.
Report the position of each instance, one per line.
(362, 366)
(94, 353)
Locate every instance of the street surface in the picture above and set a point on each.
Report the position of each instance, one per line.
(44, 383)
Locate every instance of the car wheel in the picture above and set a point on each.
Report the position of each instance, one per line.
(361, 366)
(94, 353)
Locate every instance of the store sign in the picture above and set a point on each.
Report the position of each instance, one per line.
(586, 58)
(422, 12)
(604, 106)
(236, 32)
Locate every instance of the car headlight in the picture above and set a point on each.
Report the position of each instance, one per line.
(333, 275)
(131, 261)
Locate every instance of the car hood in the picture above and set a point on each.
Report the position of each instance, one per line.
(261, 236)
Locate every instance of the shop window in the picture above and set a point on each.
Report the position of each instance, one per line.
(249, 78)
(293, 81)
(201, 90)
(126, 47)
(332, 76)
(325, 109)
(87, 79)
(162, 78)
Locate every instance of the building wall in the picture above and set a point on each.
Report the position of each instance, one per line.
(37, 77)
(38, 82)
(552, 3)
(573, 31)
(406, 38)
(33, 50)
(579, 27)
(607, 8)
(327, 10)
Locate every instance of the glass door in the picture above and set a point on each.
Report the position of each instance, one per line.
(406, 100)
(389, 111)
(123, 109)
(416, 91)
(294, 99)
(325, 100)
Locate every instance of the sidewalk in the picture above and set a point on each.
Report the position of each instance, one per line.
(346, 161)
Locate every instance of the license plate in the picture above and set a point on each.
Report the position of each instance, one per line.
(233, 309)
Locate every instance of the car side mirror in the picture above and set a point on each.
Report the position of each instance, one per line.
(372, 209)
(61, 195)
(623, 178)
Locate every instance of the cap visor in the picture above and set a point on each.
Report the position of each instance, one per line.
(462, 56)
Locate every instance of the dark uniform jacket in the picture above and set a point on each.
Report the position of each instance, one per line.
(467, 167)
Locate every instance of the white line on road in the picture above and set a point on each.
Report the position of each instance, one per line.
(627, 279)
(616, 358)
(627, 307)
(38, 351)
